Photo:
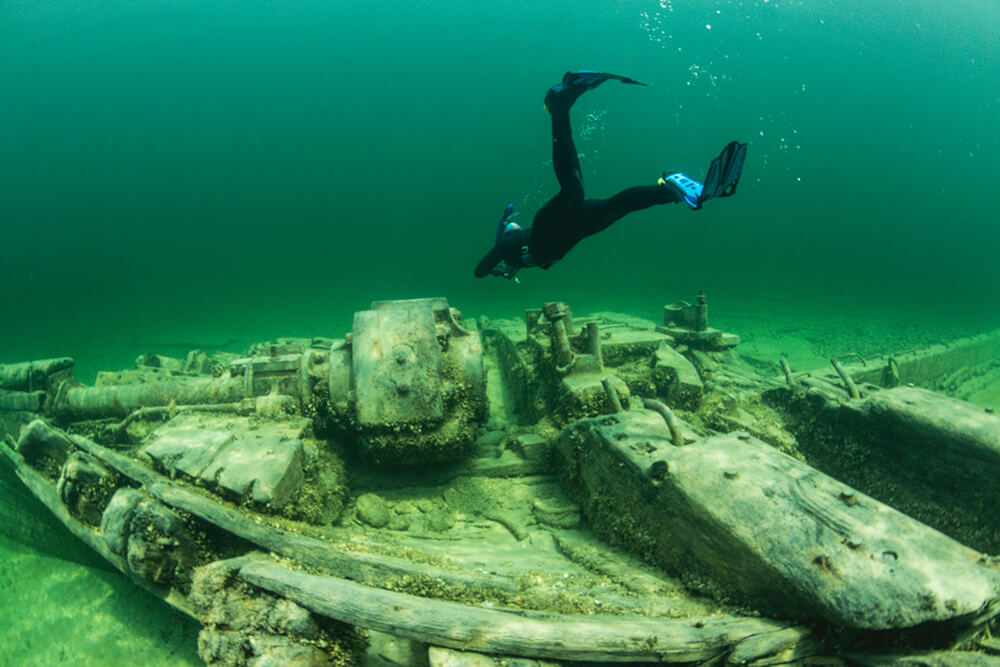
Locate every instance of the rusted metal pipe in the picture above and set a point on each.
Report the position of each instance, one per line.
(787, 370)
(612, 394)
(892, 370)
(557, 313)
(594, 343)
(560, 340)
(701, 313)
(245, 407)
(668, 416)
(78, 403)
(852, 389)
(854, 355)
(531, 317)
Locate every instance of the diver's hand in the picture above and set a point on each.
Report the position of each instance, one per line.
(504, 271)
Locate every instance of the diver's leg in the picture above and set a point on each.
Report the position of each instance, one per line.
(554, 229)
(558, 101)
(564, 158)
(599, 214)
(561, 222)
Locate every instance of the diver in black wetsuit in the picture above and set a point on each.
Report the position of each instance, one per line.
(568, 217)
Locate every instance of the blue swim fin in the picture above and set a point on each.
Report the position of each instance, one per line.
(686, 187)
(721, 181)
(724, 172)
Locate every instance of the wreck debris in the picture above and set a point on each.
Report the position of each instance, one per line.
(207, 458)
(852, 389)
(787, 370)
(443, 623)
(594, 343)
(777, 539)
(676, 437)
(152, 538)
(31, 376)
(246, 625)
(689, 325)
(244, 462)
(418, 379)
(78, 403)
(612, 394)
(890, 375)
(84, 486)
(934, 457)
(558, 316)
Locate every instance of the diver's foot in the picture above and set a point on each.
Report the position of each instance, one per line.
(564, 94)
(688, 190)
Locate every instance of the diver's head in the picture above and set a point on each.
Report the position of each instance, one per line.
(511, 227)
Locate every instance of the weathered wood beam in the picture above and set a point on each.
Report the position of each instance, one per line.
(559, 637)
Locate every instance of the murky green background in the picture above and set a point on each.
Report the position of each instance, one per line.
(188, 172)
(191, 174)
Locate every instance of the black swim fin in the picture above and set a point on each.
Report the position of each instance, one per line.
(574, 84)
(724, 172)
(590, 79)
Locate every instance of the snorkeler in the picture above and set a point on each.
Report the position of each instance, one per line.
(568, 218)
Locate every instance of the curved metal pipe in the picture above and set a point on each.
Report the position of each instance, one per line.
(668, 416)
(852, 389)
(787, 370)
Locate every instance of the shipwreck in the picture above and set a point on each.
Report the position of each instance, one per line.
(549, 490)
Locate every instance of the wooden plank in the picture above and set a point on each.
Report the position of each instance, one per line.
(559, 637)
(31, 375)
(934, 362)
(934, 457)
(371, 568)
(46, 493)
(746, 519)
(945, 436)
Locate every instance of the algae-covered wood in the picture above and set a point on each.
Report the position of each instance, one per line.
(755, 522)
(943, 435)
(45, 491)
(591, 638)
(369, 567)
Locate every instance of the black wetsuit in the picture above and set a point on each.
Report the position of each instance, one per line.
(568, 217)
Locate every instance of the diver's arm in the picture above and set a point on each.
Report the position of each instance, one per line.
(490, 261)
(507, 257)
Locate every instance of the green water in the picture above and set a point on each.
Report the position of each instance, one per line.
(180, 174)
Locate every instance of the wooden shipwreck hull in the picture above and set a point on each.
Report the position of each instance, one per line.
(610, 490)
